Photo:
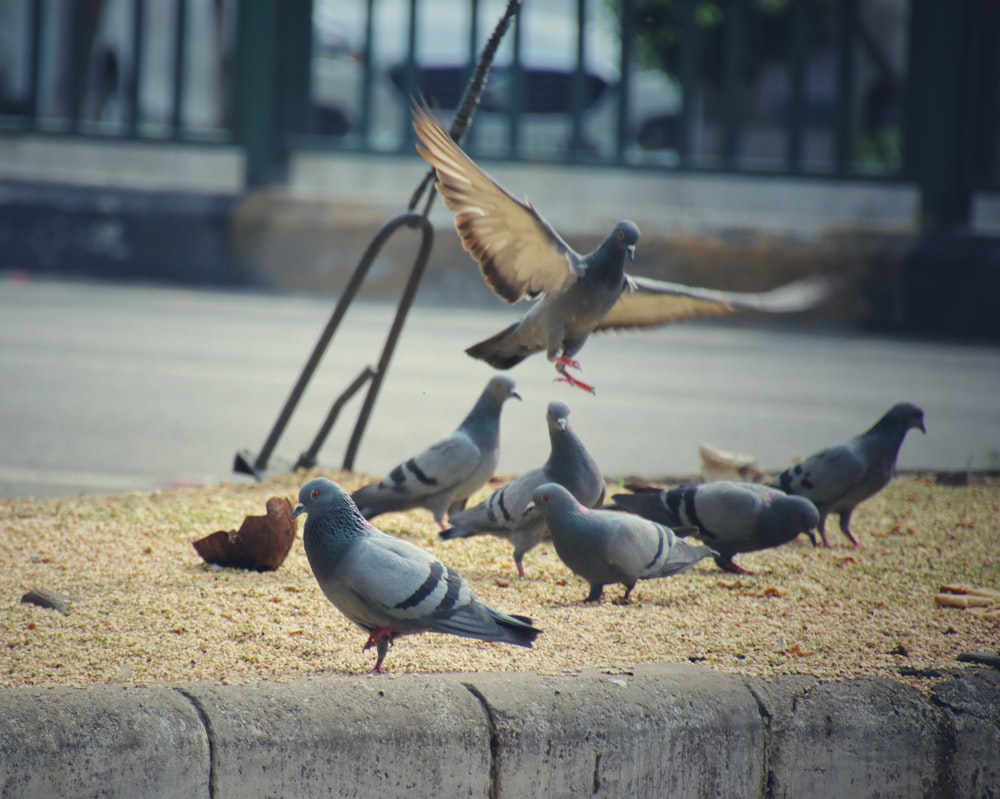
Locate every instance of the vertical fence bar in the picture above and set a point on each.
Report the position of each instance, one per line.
(134, 93)
(367, 75)
(410, 82)
(517, 88)
(732, 132)
(295, 65)
(576, 91)
(78, 63)
(179, 69)
(689, 83)
(256, 91)
(472, 56)
(844, 127)
(987, 27)
(623, 130)
(939, 112)
(36, 20)
(796, 117)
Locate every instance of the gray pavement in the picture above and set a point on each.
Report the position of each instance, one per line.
(109, 388)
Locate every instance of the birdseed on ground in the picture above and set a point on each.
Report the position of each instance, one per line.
(145, 608)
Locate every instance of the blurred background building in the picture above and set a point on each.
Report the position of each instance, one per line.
(233, 141)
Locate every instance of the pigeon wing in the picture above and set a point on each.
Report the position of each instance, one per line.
(409, 589)
(518, 252)
(399, 584)
(727, 511)
(442, 465)
(829, 474)
(652, 303)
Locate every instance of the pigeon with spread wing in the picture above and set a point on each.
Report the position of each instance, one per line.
(521, 255)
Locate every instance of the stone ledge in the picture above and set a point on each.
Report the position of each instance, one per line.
(664, 729)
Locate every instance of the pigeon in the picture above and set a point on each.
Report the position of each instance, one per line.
(730, 517)
(442, 477)
(390, 587)
(503, 512)
(521, 255)
(839, 478)
(604, 546)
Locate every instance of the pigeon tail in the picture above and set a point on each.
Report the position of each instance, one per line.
(649, 505)
(457, 532)
(491, 350)
(518, 630)
(374, 500)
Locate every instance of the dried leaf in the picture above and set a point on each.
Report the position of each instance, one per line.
(261, 544)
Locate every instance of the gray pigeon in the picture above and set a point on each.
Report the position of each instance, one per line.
(388, 586)
(839, 478)
(604, 546)
(520, 254)
(503, 513)
(443, 477)
(730, 517)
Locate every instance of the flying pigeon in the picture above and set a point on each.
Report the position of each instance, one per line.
(442, 477)
(839, 478)
(730, 517)
(503, 512)
(604, 546)
(520, 254)
(387, 586)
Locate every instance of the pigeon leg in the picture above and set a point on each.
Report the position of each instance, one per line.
(729, 565)
(596, 589)
(627, 596)
(845, 527)
(380, 637)
(524, 542)
(562, 360)
(561, 364)
(822, 531)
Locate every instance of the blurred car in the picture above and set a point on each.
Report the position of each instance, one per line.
(444, 55)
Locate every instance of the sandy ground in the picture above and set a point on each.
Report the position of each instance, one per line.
(146, 609)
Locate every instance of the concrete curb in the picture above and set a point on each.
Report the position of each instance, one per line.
(664, 730)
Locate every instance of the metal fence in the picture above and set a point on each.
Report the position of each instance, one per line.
(866, 89)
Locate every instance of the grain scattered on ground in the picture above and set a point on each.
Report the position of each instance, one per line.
(146, 609)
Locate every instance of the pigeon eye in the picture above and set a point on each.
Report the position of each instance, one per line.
(314, 494)
(545, 497)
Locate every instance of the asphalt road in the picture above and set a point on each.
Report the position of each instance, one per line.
(108, 388)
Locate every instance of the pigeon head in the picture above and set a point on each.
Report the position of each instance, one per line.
(899, 419)
(550, 497)
(626, 235)
(784, 518)
(557, 416)
(319, 495)
(501, 388)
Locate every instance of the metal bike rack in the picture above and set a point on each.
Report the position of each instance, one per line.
(257, 465)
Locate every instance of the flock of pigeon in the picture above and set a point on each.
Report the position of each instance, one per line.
(390, 587)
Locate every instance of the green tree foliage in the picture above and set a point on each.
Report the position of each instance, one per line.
(766, 31)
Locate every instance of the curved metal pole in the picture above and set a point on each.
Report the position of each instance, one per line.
(245, 462)
(409, 293)
(259, 464)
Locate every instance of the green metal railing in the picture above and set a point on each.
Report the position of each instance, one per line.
(931, 120)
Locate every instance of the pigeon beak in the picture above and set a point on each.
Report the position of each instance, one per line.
(299, 510)
(515, 395)
(631, 252)
(531, 507)
(562, 423)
